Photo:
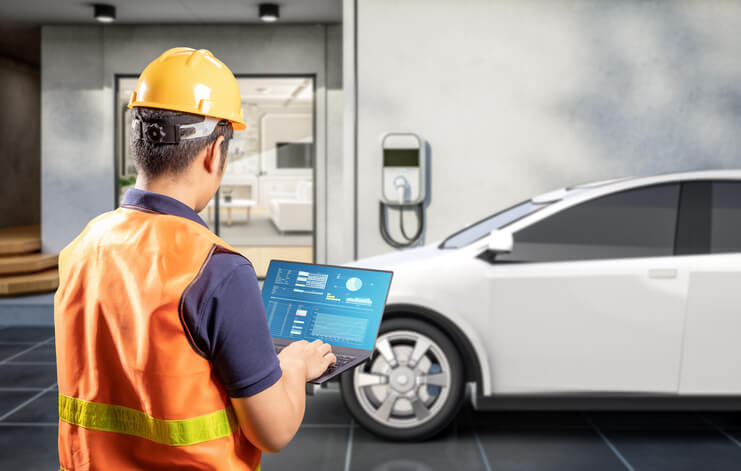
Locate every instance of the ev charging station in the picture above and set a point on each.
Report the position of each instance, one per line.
(403, 174)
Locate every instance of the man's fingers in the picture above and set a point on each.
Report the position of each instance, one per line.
(329, 359)
(325, 348)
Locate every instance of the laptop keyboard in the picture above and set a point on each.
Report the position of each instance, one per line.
(341, 359)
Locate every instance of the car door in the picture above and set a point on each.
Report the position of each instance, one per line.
(591, 299)
(712, 244)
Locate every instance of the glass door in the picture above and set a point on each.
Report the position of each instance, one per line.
(266, 199)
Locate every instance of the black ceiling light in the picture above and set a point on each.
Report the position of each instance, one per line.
(269, 12)
(104, 13)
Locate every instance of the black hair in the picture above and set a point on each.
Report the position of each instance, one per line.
(154, 160)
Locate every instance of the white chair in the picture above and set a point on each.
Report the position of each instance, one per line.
(293, 212)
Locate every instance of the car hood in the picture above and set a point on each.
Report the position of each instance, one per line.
(392, 260)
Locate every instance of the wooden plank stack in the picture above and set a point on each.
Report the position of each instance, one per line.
(23, 268)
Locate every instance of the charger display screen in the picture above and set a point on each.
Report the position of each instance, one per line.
(401, 157)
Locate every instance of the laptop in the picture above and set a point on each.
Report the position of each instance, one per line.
(339, 305)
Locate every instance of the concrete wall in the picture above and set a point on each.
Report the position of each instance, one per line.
(338, 243)
(20, 174)
(79, 64)
(517, 97)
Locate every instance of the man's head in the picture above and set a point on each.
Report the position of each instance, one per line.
(186, 105)
(195, 163)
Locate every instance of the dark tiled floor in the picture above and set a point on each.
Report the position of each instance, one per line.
(11, 399)
(41, 353)
(26, 334)
(455, 449)
(329, 439)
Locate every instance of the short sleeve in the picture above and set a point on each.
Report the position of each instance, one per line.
(231, 327)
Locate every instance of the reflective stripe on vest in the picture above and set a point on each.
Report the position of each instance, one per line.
(119, 419)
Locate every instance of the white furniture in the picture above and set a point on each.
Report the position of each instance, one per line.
(229, 205)
(270, 186)
(293, 211)
(241, 180)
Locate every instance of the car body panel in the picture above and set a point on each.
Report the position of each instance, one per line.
(423, 283)
(635, 326)
(711, 360)
(586, 326)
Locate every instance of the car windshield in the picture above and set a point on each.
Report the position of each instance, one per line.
(480, 229)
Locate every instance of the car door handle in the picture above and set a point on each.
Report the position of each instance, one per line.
(662, 273)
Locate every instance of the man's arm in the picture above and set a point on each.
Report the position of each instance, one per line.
(225, 315)
(271, 418)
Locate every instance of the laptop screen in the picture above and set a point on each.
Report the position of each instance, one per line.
(338, 305)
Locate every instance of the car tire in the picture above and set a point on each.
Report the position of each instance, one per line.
(411, 388)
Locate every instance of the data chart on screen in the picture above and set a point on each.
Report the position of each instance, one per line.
(338, 305)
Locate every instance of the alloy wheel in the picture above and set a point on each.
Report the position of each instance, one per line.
(406, 382)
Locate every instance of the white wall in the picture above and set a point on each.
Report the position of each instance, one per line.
(284, 127)
(79, 64)
(517, 97)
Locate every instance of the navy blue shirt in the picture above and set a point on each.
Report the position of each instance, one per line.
(223, 310)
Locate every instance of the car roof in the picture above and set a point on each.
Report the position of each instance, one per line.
(558, 200)
(590, 189)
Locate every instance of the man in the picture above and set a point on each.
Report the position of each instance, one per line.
(164, 355)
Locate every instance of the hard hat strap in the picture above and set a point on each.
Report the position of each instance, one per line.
(168, 132)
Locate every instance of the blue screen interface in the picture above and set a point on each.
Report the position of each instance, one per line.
(340, 306)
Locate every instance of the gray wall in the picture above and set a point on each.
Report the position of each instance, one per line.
(518, 97)
(338, 231)
(20, 199)
(78, 68)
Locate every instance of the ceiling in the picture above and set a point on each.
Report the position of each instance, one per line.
(39, 12)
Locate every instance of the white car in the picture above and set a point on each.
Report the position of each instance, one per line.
(586, 296)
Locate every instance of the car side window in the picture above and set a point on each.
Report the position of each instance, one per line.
(632, 223)
(725, 219)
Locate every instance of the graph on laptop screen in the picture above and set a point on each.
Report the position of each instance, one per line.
(341, 306)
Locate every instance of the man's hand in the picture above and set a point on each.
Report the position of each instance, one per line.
(316, 357)
(270, 418)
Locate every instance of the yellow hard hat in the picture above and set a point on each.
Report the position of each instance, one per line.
(183, 79)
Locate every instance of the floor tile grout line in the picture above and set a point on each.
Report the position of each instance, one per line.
(23, 352)
(718, 429)
(348, 451)
(480, 446)
(31, 363)
(607, 441)
(325, 425)
(29, 424)
(27, 402)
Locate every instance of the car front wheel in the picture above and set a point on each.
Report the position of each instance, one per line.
(412, 386)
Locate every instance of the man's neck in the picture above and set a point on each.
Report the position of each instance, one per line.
(168, 187)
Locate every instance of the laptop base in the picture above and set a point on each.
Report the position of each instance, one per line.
(346, 358)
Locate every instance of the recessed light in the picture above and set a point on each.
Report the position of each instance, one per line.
(104, 13)
(269, 12)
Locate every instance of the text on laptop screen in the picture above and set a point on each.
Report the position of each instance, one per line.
(340, 306)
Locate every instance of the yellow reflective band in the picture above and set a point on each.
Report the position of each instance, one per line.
(119, 419)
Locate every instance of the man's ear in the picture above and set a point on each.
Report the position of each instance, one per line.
(212, 161)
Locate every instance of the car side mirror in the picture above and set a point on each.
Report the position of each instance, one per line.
(500, 242)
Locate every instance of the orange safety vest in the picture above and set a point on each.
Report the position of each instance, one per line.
(133, 392)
